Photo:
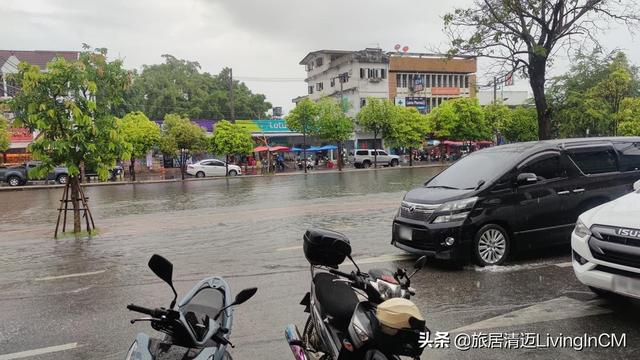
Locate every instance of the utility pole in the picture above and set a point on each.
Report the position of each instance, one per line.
(231, 104)
(495, 90)
(342, 80)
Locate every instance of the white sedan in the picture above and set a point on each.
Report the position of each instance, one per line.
(212, 167)
(606, 246)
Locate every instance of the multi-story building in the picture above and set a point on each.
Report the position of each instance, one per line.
(420, 80)
(9, 61)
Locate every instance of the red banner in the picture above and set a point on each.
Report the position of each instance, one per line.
(20, 134)
(445, 91)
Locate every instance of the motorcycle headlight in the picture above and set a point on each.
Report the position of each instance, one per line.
(133, 350)
(388, 290)
(581, 230)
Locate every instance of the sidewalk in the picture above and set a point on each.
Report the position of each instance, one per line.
(173, 175)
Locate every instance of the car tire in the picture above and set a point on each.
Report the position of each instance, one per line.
(366, 164)
(14, 181)
(200, 174)
(394, 162)
(62, 179)
(491, 245)
(233, 173)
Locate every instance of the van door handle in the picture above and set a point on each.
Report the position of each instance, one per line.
(565, 192)
(578, 190)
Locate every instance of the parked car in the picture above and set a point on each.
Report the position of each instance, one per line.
(212, 167)
(19, 175)
(91, 173)
(364, 158)
(515, 197)
(606, 246)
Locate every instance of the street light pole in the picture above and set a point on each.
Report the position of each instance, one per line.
(231, 103)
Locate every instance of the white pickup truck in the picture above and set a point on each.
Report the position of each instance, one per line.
(364, 158)
(606, 246)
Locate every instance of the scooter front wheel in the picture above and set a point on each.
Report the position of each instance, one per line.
(226, 356)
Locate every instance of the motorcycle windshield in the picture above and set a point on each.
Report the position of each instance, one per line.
(204, 305)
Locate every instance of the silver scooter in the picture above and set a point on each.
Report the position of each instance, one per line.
(200, 327)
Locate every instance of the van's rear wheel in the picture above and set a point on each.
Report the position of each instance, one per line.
(491, 245)
(13, 181)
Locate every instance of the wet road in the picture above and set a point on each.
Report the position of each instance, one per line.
(249, 231)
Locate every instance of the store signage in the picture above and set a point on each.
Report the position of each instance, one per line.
(264, 126)
(416, 101)
(418, 85)
(20, 134)
(399, 101)
(445, 91)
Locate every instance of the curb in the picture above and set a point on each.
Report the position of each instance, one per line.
(217, 178)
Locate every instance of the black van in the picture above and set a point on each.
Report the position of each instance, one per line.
(514, 197)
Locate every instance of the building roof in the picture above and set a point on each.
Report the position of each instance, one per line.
(330, 52)
(37, 57)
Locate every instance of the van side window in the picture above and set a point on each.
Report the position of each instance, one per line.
(545, 167)
(629, 155)
(595, 160)
(362, 152)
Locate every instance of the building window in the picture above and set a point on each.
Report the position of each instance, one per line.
(310, 89)
(383, 73)
(333, 82)
(319, 61)
(361, 73)
(363, 102)
(466, 81)
(319, 86)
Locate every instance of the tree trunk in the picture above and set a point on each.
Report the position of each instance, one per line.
(410, 156)
(537, 72)
(339, 155)
(304, 151)
(183, 161)
(75, 202)
(226, 165)
(82, 172)
(132, 169)
(375, 150)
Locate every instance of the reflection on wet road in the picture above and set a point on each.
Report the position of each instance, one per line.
(249, 230)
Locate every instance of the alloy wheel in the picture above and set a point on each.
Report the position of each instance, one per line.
(492, 246)
(14, 181)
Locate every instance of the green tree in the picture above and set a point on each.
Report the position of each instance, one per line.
(409, 131)
(586, 99)
(520, 125)
(333, 125)
(178, 86)
(377, 116)
(70, 104)
(142, 134)
(461, 119)
(304, 119)
(629, 117)
(230, 139)
(525, 35)
(5, 136)
(180, 137)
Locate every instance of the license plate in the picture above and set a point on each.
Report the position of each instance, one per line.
(405, 233)
(626, 285)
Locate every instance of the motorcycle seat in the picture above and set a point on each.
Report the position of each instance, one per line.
(336, 298)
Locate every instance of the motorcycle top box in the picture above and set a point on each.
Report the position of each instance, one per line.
(326, 247)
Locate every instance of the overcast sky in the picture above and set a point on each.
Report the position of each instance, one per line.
(258, 38)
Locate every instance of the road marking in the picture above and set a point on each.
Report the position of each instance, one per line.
(564, 264)
(70, 275)
(556, 309)
(35, 352)
(382, 258)
(290, 248)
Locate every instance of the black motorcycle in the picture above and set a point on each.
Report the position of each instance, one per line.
(355, 315)
(200, 327)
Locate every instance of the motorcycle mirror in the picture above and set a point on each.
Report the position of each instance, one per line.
(420, 262)
(163, 269)
(244, 295)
